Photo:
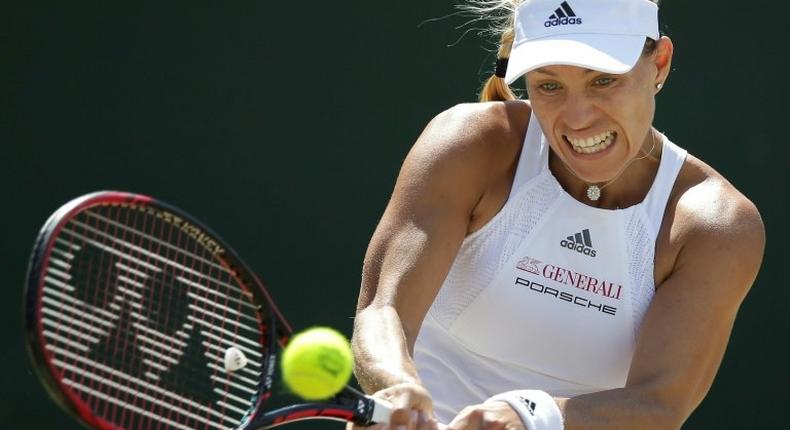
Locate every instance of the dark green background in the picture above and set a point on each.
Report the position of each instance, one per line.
(283, 124)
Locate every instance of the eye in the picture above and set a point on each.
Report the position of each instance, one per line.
(604, 82)
(549, 87)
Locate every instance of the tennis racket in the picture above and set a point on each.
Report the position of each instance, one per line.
(138, 316)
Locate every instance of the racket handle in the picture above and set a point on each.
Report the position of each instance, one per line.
(381, 411)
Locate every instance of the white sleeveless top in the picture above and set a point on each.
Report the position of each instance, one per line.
(548, 295)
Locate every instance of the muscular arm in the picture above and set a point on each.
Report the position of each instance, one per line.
(685, 332)
(434, 205)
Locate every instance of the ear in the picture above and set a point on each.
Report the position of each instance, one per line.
(663, 58)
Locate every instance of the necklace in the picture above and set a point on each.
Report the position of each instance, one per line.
(594, 191)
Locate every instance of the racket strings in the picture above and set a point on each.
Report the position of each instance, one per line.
(110, 350)
(142, 340)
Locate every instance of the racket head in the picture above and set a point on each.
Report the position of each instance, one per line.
(129, 306)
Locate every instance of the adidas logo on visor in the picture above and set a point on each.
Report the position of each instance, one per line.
(563, 15)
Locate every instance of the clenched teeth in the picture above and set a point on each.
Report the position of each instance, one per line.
(593, 144)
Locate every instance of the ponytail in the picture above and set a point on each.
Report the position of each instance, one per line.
(495, 88)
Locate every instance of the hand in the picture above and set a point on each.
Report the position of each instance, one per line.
(412, 409)
(487, 416)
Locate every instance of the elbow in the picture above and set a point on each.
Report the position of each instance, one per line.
(669, 417)
(665, 411)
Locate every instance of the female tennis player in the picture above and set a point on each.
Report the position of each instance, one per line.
(556, 263)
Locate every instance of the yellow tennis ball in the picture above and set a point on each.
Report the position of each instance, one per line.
(317, 363)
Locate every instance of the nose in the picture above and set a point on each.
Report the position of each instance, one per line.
(579, 111)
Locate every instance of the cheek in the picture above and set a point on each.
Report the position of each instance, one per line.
(537, 102)
(546, 109)
(539, 109)
(642, 96)
(635, 107)
(637, 114)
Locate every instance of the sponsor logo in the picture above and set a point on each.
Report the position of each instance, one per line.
(269, 378)
(564, 296)
(185, 226)
(529, 404)
(581, 281)
(563, 15)
(592, 284)
(361, 408)
(580, 242)
(529, 264)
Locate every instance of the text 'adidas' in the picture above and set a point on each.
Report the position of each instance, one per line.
(563, 15)
(579, 242)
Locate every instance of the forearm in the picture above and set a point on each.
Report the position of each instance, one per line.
(624, 408)
(381, 351)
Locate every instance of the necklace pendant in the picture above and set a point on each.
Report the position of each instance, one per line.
(593, 192)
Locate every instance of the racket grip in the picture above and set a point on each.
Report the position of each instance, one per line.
(381, 411)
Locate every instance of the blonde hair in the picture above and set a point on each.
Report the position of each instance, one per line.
(501, 13)
(495, 88)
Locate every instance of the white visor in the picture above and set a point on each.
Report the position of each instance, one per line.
(604, 35)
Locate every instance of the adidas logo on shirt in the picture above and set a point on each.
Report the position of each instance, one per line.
(579, 242)
(563, 15)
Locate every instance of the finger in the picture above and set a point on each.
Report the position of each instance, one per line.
(468, 419)
(406, 399)
(412, 397)
(411, 423)
(414, 419)
(426, 422)
(400, 418)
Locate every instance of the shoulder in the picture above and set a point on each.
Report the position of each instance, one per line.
(709, 205)
(714, 226)
(463, 158)
(470, 138)
(486, 116)
(473, 137)
(478, 127)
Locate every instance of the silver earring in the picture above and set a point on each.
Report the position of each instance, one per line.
(659, 85)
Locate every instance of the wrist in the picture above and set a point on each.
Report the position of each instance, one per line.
(380, 377)
(537, 409)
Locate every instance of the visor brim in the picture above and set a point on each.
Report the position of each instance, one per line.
(606, 53)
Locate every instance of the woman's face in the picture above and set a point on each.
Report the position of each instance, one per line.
(596, 122)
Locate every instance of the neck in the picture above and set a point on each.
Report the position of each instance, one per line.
(625, 190)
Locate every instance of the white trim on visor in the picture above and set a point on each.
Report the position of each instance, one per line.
(605, 35)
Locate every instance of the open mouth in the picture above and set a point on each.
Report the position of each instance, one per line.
(591, 145)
